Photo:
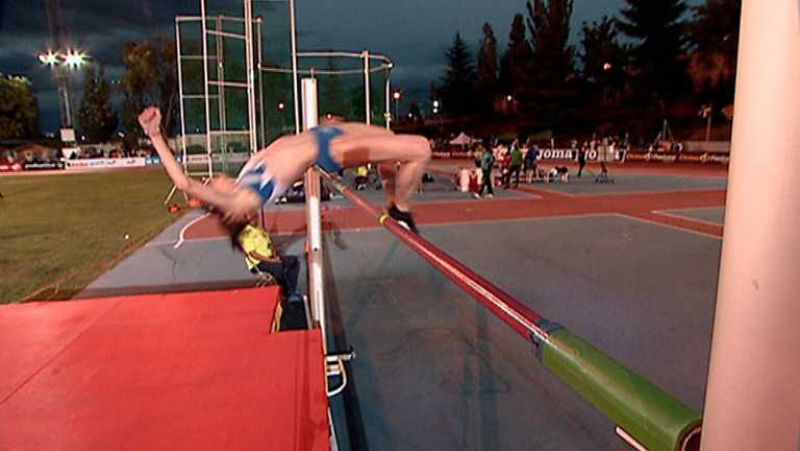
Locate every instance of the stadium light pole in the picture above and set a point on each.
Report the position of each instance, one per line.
(60, 63)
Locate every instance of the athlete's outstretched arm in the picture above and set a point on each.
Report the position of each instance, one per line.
(150, 120)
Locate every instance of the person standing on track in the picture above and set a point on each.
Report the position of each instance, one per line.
(487, 163)
(531, 161)
(516, 165)
(582, 158)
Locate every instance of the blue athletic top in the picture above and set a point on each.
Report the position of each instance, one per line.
(256, 177)
(324, 136)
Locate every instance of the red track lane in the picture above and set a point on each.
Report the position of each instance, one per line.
(551, 204)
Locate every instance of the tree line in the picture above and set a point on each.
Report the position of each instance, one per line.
(652, 60)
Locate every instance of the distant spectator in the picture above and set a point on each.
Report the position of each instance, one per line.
(487, 164)
(558, 174)
(531, 162)
(582, 158)
(515, 166)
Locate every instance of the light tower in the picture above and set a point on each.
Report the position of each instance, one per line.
(58, 32)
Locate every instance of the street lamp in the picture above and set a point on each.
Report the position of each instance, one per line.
(49, 58)
(59, 62)
(74, 59)
(281, 106)
(509, 98)
(435, 107)
(397, 95)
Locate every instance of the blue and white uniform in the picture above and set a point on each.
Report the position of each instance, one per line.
(256, 175)
(324, 136)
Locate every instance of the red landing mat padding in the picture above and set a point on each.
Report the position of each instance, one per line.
(174, 371)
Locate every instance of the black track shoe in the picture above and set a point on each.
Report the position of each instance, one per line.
(403, 217)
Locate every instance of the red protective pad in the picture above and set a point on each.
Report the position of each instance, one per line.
(176, 371)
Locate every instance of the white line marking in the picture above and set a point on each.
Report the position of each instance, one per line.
(669, 226)
(688, 218)
(183, 230)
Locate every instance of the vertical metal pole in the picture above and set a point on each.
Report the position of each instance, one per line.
(221, 100)
(204, 29)
(313, 217)
(262, 121)
(251, 75)
(752, 400)
(367, 100)
(293, 32)
(388, 94)
(180, 94)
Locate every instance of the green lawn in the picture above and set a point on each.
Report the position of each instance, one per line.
(60, 232)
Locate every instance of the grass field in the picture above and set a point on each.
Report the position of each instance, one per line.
(59, 232)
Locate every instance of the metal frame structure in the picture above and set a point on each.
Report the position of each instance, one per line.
(257, 118)
(257, 121)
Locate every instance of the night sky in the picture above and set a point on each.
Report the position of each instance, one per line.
(414, 33)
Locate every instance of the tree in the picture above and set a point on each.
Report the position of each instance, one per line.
(331, 92)
(19, 112)
(516, 62)
(548, 23)
(553, 80)
(603, 58)
(657, 29)
(95, 117)
(150, 79)
(415, 111)
(714, 36)
(458, 82)
(486, 86)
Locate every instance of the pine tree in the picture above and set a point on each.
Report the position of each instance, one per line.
(553, 82)
(603, 58)
(486, 86)
(332, 92)
(714, 35)
(548, 23)
(96, 119)
(657, 29)
(516, 63)
(458, 82)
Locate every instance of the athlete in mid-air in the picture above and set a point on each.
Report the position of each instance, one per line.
(331, 146)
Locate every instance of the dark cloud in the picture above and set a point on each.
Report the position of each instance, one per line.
(414, 33)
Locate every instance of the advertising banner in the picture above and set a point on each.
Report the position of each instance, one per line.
(105, 163)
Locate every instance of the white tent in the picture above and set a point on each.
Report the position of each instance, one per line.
(462, 140)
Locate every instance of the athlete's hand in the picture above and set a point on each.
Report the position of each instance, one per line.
(150, 120)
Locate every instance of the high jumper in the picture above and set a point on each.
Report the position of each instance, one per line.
(332, 146)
